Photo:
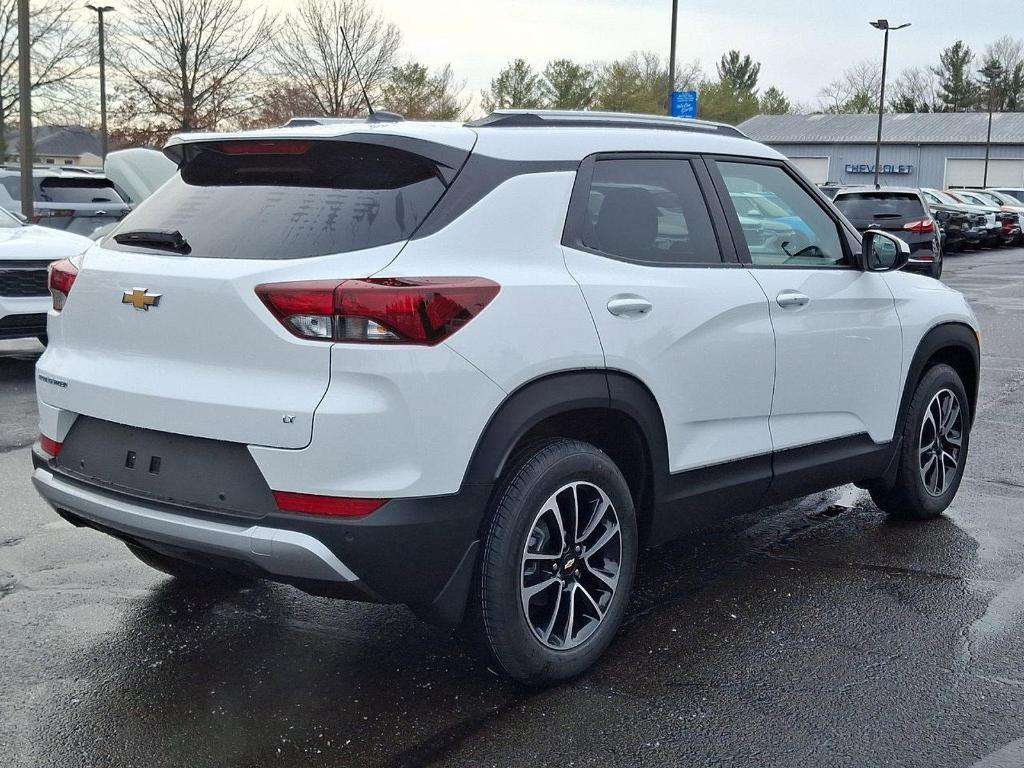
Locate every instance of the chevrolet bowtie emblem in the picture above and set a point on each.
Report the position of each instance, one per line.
(140, 298)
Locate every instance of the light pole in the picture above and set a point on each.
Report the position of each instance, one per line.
(100, 10)
(992, 73)
(672, 56)
(882, 24)
(25, 109)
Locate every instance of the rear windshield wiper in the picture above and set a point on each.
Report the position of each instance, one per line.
(160, 239)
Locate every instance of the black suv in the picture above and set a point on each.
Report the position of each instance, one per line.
(901, 211)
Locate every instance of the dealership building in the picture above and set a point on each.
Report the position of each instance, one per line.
(937, 149)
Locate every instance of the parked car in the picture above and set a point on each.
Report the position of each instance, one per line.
(1016, 193)
(136, 173)
(1011, 224)
(1007, 221)
(901, 211)
(980, 227)
(526, 390)
(75, 202)
(26, 251)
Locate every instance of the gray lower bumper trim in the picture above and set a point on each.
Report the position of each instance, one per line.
(284, 553)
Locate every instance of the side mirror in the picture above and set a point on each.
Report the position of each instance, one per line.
(882, 252)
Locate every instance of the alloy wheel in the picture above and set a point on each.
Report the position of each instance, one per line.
(940, 442)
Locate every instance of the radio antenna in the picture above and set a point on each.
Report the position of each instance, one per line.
(355, 69)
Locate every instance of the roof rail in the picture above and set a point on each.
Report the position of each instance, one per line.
(526, 118)
(378, 116)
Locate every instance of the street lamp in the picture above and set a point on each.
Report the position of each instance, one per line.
(100, 10)
(672, 56)
(991, 73)
(882, 24)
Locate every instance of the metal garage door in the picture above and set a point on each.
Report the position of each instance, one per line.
(814, 168)
(964, 172)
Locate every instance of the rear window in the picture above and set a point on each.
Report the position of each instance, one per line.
(298, 199)
(78, 191)
(880, 205)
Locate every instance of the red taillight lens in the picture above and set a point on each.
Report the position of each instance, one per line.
(50, 446)
(62, 277)
(39, 214)
(388, 310)
(922, 225)
(272, 147)
(336, 506)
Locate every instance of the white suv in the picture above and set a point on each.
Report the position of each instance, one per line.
(474, 368)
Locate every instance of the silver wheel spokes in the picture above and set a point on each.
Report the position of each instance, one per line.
(570, 566)
(939, 446)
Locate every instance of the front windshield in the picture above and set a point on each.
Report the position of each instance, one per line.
(942, 197)
(8, 220)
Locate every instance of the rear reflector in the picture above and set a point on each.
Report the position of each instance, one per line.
(62, 276)
(50, 446)
(326, 505)
(272, 147)
(384, 310)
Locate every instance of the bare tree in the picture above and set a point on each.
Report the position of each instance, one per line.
(856, 90)
(915, 90)
(416, 94)
(309, 51)
(187, 64)
(61, 52)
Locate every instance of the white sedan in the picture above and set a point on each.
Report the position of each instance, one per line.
(26, 250)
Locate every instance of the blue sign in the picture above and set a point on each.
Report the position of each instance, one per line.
(684, 103)
(885, 169)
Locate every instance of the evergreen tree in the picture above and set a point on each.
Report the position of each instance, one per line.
(568, 85)
(957, 90)
(517, 86)
(740, 72)
(774, 102)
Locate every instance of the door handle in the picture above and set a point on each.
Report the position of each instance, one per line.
(790, 299)
(629, 306)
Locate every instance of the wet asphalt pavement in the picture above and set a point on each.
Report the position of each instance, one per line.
(816, 633)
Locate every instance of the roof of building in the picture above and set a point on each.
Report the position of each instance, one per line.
(58, 140)
(914, 128)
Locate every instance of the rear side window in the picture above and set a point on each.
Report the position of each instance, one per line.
(880, 205)
(649, 211)
(290, 199)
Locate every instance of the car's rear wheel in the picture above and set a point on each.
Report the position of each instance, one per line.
(933, 450)
(189, 574)
(557, 564)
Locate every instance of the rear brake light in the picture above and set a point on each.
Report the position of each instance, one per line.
(51, 213)
(326, 505)
(388, 310)
(62, 277)
(922, 225)
(272, 147)
(50, 446)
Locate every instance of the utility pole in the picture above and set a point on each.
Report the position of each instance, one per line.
(992, 73)
(100, 10)
(672, 56)
(25, 152)
(882, 24)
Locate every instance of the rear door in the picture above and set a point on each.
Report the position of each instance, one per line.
(838, 338)
(178, 340)
(673, 310)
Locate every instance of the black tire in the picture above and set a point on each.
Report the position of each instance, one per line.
(908, 497)
(499, 616)
(189, 574)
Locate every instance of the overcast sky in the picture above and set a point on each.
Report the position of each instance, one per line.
(801, 44)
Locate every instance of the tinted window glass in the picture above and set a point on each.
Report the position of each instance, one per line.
(75, 191)
(319, 198)
(793, 230)
(876, 206)
(13, 186)
(649, 211)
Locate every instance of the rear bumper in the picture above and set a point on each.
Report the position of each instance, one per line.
(418, 551)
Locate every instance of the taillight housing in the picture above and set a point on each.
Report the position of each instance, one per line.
(39, 214)
(49, 446)
(61, 278)
(379, 310)
(921, 225)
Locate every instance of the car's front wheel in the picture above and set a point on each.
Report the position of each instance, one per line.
(557, 564)
(933, 451)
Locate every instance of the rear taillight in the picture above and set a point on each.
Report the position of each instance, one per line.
(50, 446)
(62, 277)
(335, 506)
(41, 214)
(385, 310)
(921, 225)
